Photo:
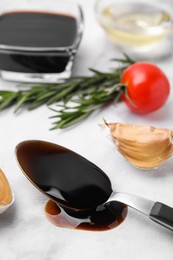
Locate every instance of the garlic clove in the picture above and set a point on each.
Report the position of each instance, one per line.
(6, 194)
(145, 147)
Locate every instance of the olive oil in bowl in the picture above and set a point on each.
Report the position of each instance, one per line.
(138, 26)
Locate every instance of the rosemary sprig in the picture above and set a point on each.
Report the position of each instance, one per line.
(76, 98)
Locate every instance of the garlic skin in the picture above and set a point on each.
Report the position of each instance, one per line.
(6, 194)
(145, 147)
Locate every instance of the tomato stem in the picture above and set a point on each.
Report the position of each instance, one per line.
(125, 91)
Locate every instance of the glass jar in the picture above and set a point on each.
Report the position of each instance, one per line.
(39, 39)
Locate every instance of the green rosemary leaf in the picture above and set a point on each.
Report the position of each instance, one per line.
(126, 60)
(70, 121)
(21, 100)
(62, 94)
(7, 98)
(45, 95)
(35, 105)
(99, 73)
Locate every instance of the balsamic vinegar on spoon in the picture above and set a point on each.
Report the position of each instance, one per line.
(80, 192)
(105, 218)
(71, 182)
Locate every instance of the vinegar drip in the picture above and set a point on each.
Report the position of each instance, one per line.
(105, 218)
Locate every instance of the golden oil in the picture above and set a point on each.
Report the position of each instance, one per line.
(135, 24)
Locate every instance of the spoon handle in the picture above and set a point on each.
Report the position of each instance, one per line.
(156, 211)
(162, 214)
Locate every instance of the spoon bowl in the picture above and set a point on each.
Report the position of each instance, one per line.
(62, 175)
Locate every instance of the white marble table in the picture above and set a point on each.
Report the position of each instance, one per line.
(25, 233)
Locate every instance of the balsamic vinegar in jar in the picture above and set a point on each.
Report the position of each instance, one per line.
(29, 31)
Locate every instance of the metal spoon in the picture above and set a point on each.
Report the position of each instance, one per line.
(75, 183)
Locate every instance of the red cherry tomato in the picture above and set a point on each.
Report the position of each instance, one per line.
(147, 87)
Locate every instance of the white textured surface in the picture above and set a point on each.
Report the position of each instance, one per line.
(24, 231)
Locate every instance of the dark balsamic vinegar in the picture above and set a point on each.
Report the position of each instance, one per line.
(101, 219)
(63, 175)
(74, 183)
(36, 30)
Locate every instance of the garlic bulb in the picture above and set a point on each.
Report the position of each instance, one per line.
(145, 147)
(6, 194)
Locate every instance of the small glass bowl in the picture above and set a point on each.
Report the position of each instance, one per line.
(137, 26)
(35, 63)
